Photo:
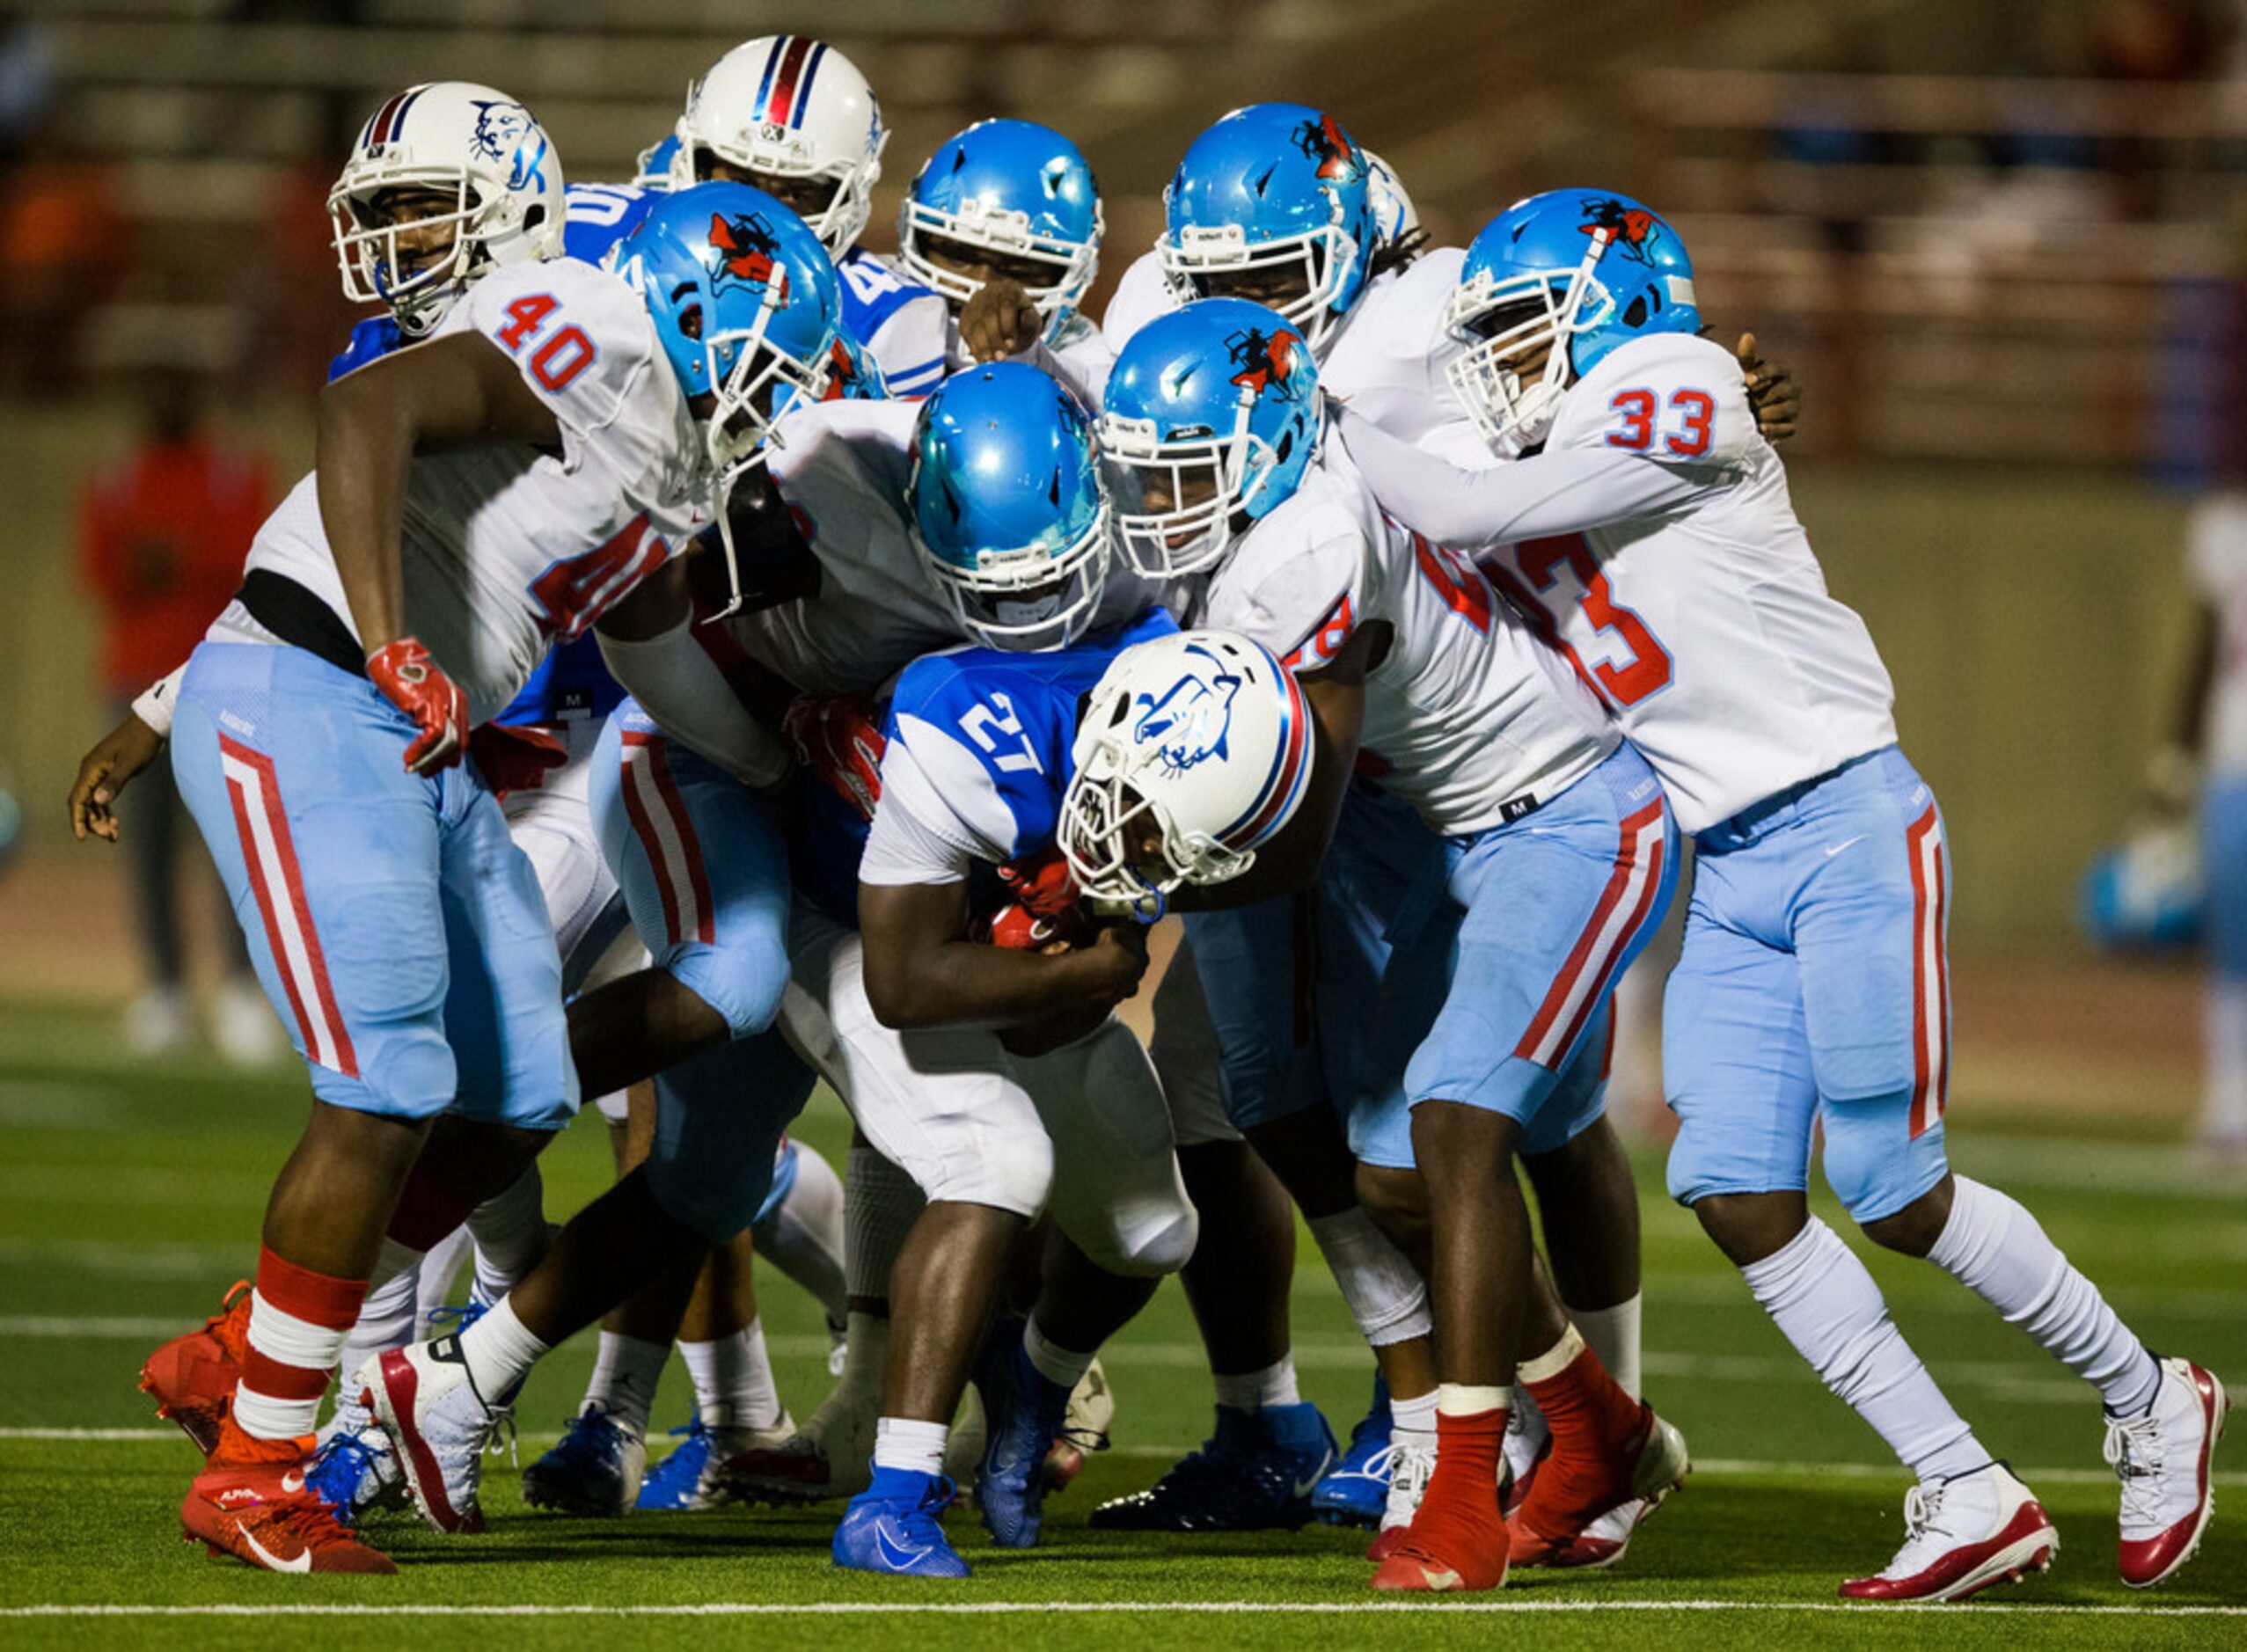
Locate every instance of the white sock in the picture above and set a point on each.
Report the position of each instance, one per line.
(1526, 1432)
(804, 1237)
(511, 1232)
(1469, 1400)
(1992, 1245)
(500, 1353)
(1059, 1365)
(1416, 1416)
(2224, 1111)
(310, 1348)
(626, 1370)
(1820, 1294)
(392, 1260)
(1613, 1334)
(879, 1207)
(1252, 1391)
(1382, 1291)
(386, 1320)
(438, 1269)
(734, 1385)
(865, 1349)
(915, 1447)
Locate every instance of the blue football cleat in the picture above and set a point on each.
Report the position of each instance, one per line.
(1023, 1411)
(893, 1527)
(1356, 1490)
(595, 1469)
(677, 1482)
(355, 1470)
(1256, 1474)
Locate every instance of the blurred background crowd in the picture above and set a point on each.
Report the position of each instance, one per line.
(2004, 245)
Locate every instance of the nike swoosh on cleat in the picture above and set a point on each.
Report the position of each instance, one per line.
(1439, 1578)
(301, 1561)
(894, 1554)
(292, 1482)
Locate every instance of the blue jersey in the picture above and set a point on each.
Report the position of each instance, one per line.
(980, 740)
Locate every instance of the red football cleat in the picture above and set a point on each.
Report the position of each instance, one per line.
(1579, 1512)
(2162, 1460)
(1961, 1536)
(193, 1376)
(1457, 1539)
(263, 1514)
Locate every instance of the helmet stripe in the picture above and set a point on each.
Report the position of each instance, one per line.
(398, 118)
(810, 72)
(772, 55)
(378, 129)
(783, 88)
(1290, 768)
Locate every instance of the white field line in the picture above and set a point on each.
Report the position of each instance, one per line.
(1135, 1608)
(1718, 1467)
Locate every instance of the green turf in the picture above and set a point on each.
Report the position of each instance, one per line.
(129, 1195)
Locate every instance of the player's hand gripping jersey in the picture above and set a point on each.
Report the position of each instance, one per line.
(507, 551)
(1467, 716)
(1655, 540)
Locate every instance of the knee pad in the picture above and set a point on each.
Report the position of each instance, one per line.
(1149, 1249)
(1010, 1171)
(744, 983)
(719, 1118)
(1873, 1164)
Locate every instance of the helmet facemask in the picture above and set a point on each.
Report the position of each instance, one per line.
(1509, 413)
(1207, 479)
(1003, 234)
(371, 246)
(791, 157)
(1106, 823)
(1326, 258)
(1030, 599)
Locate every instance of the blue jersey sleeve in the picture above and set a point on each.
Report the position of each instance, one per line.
(597, 216)
(370, 340)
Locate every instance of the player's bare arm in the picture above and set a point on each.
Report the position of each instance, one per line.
(105, 772)
(922, 970)
(458, 390)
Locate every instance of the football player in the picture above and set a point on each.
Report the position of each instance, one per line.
(1214, 433)
(318, 739)
(1652, 535)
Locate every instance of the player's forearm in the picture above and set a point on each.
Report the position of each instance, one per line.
(963, 984)
(1547, 494)
(366, 445)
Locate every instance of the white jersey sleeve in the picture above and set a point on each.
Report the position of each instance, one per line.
(1298, 585)
(1079, 356)
(952, 814)
(506, 550)
(1391, 360)
(841, 467)
(1704, 624)
(1139, 297)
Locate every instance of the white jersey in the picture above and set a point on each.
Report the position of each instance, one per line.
(506, 550)
(2216, 558)
(904, 326)
(1468, 717)
(1655, 539)
(841, 469)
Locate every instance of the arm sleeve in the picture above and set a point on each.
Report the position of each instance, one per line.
(900, 847)
(678, 685)
(1568, 492)
(155, 704)
(911, 345)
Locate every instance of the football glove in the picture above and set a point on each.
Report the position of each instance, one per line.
(840, 739)
(417, 686)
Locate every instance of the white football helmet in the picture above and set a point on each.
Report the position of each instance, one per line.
(793, 108)
(488, 160)
(1199, 742)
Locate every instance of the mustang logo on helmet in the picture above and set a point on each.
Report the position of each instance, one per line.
(1188, 722)
(1267, 361)
(748, 249)
(1631, 230)
(1325, 141)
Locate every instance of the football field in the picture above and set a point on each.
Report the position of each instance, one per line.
(130, 1197)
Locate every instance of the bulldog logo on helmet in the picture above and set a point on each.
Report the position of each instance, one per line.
(502, 131)
(1186, 725)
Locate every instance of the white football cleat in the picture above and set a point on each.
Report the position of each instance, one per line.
(1962, 1535)
(2162, 1460)
(424, 1399)
(1411, 1463)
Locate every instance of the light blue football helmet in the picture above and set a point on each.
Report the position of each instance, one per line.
(1582, 269)
(1212, 415)
(1007, 508)
(1273, 187)
(1014, 189)
(750, 311)
(654, 171)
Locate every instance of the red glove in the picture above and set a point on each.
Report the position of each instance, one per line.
(1015, 926)
(840, 739)
(1045, 898)
(417, 686)
(515, 758)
